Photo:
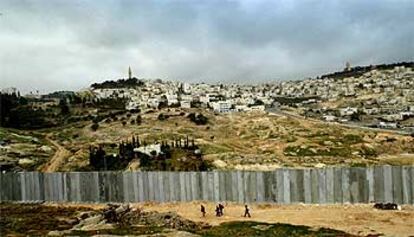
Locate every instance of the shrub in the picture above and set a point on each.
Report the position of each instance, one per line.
(95, 126)
(162, 117)
(198, 119)
(139, 119)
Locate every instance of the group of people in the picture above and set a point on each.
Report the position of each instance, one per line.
(220, 208)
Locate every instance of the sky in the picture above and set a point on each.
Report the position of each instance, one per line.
(67, 45)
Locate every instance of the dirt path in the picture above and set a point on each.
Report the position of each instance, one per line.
(355, 219)
(58, 158)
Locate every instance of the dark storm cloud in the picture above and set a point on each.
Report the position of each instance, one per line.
(53, 45)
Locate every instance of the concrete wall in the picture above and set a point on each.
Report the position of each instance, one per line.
(327, 185)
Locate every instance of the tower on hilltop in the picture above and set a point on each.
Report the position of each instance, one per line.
(348, 66)
(129, 73)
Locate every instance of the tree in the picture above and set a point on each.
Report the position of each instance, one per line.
(198, 119)
(64, 108)
(162, 117)
(95, 126)
(356, 116)
(139, 120)
(258, 102)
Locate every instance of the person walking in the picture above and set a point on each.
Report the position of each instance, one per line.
(221, 207)
(247, 211)
(218, 214)
(203, 210)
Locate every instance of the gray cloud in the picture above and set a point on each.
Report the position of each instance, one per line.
(52, 45)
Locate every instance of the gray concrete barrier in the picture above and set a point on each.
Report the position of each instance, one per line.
(284, 186)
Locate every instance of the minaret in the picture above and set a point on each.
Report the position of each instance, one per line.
(347, 66)
(129, 73)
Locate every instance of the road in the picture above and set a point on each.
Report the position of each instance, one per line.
(347, 125)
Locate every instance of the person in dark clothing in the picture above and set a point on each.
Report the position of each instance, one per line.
(203, 210)
(246, 211)
(218, 211)
(221, 207)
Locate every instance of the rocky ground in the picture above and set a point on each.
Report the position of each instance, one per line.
(24, 150)
(184, 219)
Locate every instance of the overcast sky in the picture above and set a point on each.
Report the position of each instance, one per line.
(54, 45)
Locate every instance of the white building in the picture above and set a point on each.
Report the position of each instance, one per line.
(205, 99)
(221, 106)
(153, 102)
(242, 108)
(257, 108)
(148, 149)
(132, 105)
(172, 99)
(185, 104)
(329, 118)
(348, 111)
(186, 87)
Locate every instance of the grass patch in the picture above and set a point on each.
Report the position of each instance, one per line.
(351, 139)
(34, 220)
(315, 151)
(121, 231)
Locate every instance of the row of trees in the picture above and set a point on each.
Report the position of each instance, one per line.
(360, 70)
(15, 113)
(175, 155)
(121, 83)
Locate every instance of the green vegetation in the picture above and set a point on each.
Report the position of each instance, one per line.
(121, 231)
(351, 139)
(121, 83)
(359, 71)
(94, 126)
(198, 119)
(34, 220)
(316, 151)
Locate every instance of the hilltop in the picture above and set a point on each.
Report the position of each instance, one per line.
(360, 70)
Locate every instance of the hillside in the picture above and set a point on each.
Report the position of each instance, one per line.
(67, 126)
(360, 70)
(254, 141)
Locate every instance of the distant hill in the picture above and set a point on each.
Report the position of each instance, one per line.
(360, 70)
(121, 83)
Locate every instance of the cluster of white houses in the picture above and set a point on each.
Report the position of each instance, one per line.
(220, 98)
(385, 93)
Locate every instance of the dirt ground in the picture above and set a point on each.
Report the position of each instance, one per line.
(359, 219)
